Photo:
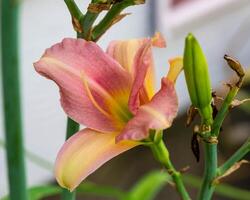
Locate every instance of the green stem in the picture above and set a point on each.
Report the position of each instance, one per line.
(12, 101)
(108, 20)
(87, 24)
(66, 195)
(210, 174)
(207, 188)
(210, 156)
(162, 155)
(211, 149)
(73, 9)
(221, 115)
(236, 157)
(72, 128)
(85, 21)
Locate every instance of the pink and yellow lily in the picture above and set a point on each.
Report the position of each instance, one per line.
(113, 94)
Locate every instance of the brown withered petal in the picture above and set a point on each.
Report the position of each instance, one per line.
(191, 113)
(237, 102)
(98, 7)
(232, 169)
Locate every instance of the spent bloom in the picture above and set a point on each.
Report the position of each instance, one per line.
(113, 94)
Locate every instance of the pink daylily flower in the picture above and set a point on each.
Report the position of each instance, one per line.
(113, 94)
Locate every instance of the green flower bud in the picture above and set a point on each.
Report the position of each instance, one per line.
(197, 78)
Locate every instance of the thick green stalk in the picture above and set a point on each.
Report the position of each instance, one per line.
(72, 128)
(12, 101)
(207, 188)
(210, 174)
(236, 157)
(211, 160)
(162, 155)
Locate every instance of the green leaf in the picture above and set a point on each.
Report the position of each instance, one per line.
(42, 191)
(39, 192)
(148, 187)
(102, 191)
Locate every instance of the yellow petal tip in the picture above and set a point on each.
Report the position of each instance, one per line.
(176, 66)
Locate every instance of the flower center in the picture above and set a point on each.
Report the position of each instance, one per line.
(118, 107)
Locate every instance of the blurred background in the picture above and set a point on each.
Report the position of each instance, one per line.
(220, 26)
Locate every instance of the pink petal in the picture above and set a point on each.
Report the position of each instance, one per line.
(136, 57)
(124, 52)
(157, 114)
(143, 65)
(84, 153)
(89, 81)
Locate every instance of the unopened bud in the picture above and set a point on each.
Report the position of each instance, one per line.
(197, 77)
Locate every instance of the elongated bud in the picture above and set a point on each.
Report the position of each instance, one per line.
(197, 77)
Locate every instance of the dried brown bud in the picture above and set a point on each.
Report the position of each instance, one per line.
(236, 66)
